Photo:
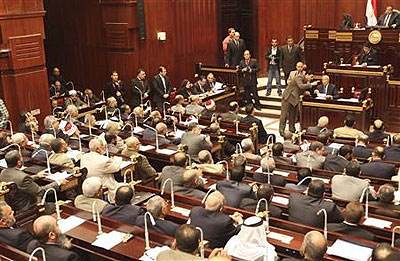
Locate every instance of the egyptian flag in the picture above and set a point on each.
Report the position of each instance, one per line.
(371, 13)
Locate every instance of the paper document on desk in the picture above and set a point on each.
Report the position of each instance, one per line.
(69, 223)
(83, 136)
(335, 145)
(146, 147)
(374, 222)
(137, 130)
(281, 237)
(349, 251)
(166, 151)
(73, 154)
(248, 168)
(3, 163)
(183, 211)
(259, 170)
(125, 164)
(349, 100)
(218, 85)
(280, 200)
(151, 254)
(59, 175)
(282, 173)
(109, 240)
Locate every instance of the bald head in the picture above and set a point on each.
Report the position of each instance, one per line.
(205, 157)
(381, 252)
(378, 124)
(179, 159)
(215, 201)
(314, 246)
(45, 228)
(191, 177)
(323, 122)
(132, 143)
(161, 128)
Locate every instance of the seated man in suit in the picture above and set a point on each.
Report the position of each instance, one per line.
(368, 56)
(143, 169)
(386, 202)
(162, 130)
(382, 251)
(111, 144)
(218, 227)
(348, 131)
(44, 144)
(174, 171)
(215, 129)
(248, 150)
(392, 153)
(324, 138)
(195, 141)
(329, 89)
(60, 158)
(268, 166)
(376, 167)
(378, 133)
(22, 141)
(389, 18)
(340, 161)
(201, 85)
(264, 191)
(322, 126)
(92, 192)
(233, 113)
(352, 214)
(207, 164)
(192, 184)
(56, 245)
(277, 154)
(349, 186)
(311, 158)
(211, 81)
(210, 112)
(158, 208)
(114, 129)
(303, 208)
(250, 119)
(123, 210)
(234, 190)
(15, 237)
(178, 106)
(313, 247)
(194, 108)
(288, 142)
(303, 176)
(28, 191)
(361, 150)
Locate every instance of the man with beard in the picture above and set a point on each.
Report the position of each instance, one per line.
(16, 237)
(55, 244)
(140, 88)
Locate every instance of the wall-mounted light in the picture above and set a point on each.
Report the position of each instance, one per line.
(161, 36)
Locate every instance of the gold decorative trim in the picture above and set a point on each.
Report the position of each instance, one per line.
(399, 37)
(318, 77)
(312, 34)
(354, 72)
(332, 35)
(344, 36)
(391, 82)
(375, 37)
(218, 70)
(333, 106)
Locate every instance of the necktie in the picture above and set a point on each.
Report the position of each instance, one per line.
(326, 89)
(163, 82)
(290, 49)
(386, 23)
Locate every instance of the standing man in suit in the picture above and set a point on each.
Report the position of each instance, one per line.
(161, 87)
(273, 57)
(291, 55)
(139, 83)
(291, 98)
(115, 88)
(225, 42)
(369, 56)
(389, 18)
(377, 168)
(249, 69)
(392, 153)
(327, 88)
(234, 53)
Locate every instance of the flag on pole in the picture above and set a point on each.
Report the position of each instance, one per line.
(371, 13)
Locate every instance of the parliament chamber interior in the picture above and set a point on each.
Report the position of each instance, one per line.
(200, 130)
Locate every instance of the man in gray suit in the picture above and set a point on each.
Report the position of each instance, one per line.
(174, 172)
(195, 141)
(232, 114)
(291, 54)
(313, 157)
(28, 192)
(340, 161)
(192, 184)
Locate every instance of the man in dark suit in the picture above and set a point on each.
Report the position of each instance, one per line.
(139, 88)
(340, 161)
(192, 184)
(378, 134)
(123, 210)
(218, 227)
(369, 56)
(291, 55)
(385, 203)
(161, 87)
(233, 113)
(249, 68)
(303, 176)
(200, 86)
(57, 76)
(210, 85)
(236, 48)
(158, 208)
(277, 154)
(28, 192)
(353, 213)
(55, 244)
(250, 119)
(329, 89)
(115, 88)
(361, 150)
(264, 191)
(392, 153)
(268, 166)
(291, 98)
(234, 190)
(377, 168)
(16, 237)
(303, 208)
(389, 18)
(273, 57)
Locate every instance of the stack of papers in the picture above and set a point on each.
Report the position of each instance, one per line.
(59, 175)
(166, 151)
(281, 237)
(349, 251)
(280, 200)
(109, 240)
(183, 211)
(377, 223)
(70, 223)
(146, 147)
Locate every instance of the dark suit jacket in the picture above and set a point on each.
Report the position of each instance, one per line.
(277, 57)
(386, 209)
(262, 134)
(173, 172)
(54, 252)
(251, 205)
(392, 153)
(111, 90)
(162, 226)
(335, 163)
(378, 135)
(218, 227)
(209, 86)
(158, 88)
(249, 78)
(186, 93)
(144, 88)
(124, 213)
(235, 52)
(197, 89)
(17, 237)
(332, 90)
(234, 192)
(362, 152)
(303, 209)
(289, 59)
(190, 192)
(394, 19)
(370, 58)
(276, 180)
(354, 231)
(317, 130)
(379, 169)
